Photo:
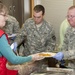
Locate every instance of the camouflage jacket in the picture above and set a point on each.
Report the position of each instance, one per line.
(12, 26)
(68, 47)
(37, 40)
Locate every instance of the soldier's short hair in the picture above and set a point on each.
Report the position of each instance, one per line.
(39, 8)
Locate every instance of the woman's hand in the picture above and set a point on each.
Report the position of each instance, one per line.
(37, 57)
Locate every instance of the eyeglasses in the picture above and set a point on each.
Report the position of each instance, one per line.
(71, 16)
(5, 15)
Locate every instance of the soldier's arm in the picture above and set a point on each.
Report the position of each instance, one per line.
(51, 42)
(21, 35)
(15, 23)
(68, 54)
(16, 27)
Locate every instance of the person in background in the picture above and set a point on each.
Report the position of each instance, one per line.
(63, 27)
(6, 53)
(68, 47)
(12, 27)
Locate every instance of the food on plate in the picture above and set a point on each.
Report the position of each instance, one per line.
(47, 54)
(44, 54)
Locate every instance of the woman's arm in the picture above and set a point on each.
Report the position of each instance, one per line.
(6, 51)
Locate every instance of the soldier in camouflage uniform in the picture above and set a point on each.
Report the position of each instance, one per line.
(68, 47)
(39, 34)
(12, 26)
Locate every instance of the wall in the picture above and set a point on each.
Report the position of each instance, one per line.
(26, 9)
(55, 12)
(37, 2)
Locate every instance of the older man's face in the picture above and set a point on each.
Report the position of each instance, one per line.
(71, 17)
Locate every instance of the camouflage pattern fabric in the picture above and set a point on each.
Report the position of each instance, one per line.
(38, 40)
(69, 44)
(68, 47)
(12, 26)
